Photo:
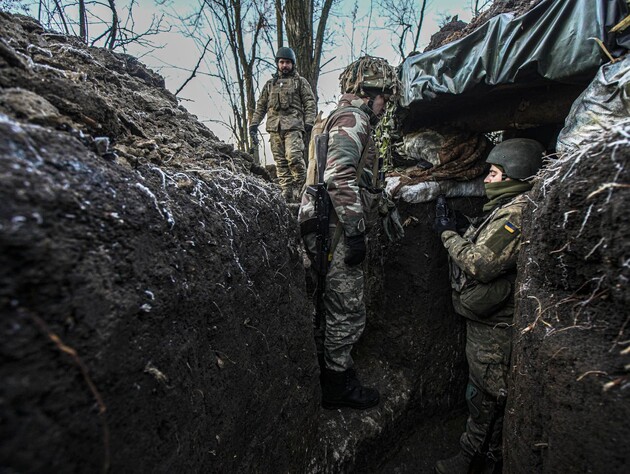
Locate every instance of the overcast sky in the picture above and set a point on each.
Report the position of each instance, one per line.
(202, 97)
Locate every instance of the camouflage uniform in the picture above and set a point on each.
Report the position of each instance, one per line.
(349, 133)
(483, 271)
(288, 101)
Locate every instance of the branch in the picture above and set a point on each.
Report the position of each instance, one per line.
(419, 27)
(114, 28)
(194, 71)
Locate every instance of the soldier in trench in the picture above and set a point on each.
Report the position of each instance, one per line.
(288, 102)
(348, 174)
(483, 272)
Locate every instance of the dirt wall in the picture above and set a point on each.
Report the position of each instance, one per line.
(135, 306)
(570, 388)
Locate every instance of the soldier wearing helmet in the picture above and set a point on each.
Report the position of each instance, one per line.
(483, 272)
(366, 86)
(288, 102)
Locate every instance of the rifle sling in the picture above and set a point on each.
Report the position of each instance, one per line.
(360, 167)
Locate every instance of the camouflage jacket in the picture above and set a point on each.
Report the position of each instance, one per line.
(483, 264)
(288, 103)
(349, 133)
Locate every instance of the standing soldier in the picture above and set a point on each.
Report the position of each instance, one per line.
(346, 167)
(483, 272)
(288, 100)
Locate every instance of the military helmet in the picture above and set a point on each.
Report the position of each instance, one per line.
(285, 53)
(368, 77)
(519, 158)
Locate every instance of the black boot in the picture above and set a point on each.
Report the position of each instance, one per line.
(342, 389)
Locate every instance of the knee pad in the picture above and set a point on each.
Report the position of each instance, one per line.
(480, 404)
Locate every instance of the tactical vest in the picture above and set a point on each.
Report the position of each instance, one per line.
(282, 91)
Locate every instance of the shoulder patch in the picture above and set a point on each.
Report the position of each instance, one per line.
(502, 237)
(511, 228)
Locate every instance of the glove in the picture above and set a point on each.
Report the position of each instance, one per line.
(308, 127)
(442, 224)
(392, 225)
(253, 132)
(356, 250)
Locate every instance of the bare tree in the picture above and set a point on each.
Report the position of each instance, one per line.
(236, 27)
(405, 20)
(477, 6)
(111, 29)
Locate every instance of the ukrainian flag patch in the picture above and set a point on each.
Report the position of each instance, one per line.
(511, 228)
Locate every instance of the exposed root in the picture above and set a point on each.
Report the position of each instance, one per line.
(539, 313)
(157, 373)
(591, 372)
(607, 186)
(45, 329)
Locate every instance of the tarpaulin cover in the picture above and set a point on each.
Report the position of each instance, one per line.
(603, 105)
(551, 42)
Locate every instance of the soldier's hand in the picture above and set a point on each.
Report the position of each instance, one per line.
(253, 132)
(356, 250)
(442, 224)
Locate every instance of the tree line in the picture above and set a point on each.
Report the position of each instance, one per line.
(236, 39)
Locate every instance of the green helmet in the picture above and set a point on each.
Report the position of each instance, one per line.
(519, 158)
(285, 53)
(368, 77)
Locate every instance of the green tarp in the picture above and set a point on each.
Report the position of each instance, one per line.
(550, 43)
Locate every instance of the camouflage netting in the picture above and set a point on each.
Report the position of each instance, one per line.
(369, 74)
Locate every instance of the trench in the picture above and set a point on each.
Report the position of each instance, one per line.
(412, 350)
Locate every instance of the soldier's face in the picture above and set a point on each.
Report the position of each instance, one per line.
(495, 175)
(378, 106)
(285, 65)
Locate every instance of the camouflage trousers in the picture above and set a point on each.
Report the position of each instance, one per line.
(344, 308)
(288, 153)
(488, 351)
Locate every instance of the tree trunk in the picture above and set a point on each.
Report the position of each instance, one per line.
(307, 44)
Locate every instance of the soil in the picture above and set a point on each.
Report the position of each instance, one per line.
(154, 313)
(456, 29)
(570, 387)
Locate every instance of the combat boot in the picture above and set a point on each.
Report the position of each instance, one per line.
(458, 464)
(343, 389)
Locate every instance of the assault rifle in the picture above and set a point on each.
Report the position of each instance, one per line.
(482, 455)
(322, 213)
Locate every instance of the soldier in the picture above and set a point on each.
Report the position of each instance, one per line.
(288, 99)
(366, 85)
(483, 272)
